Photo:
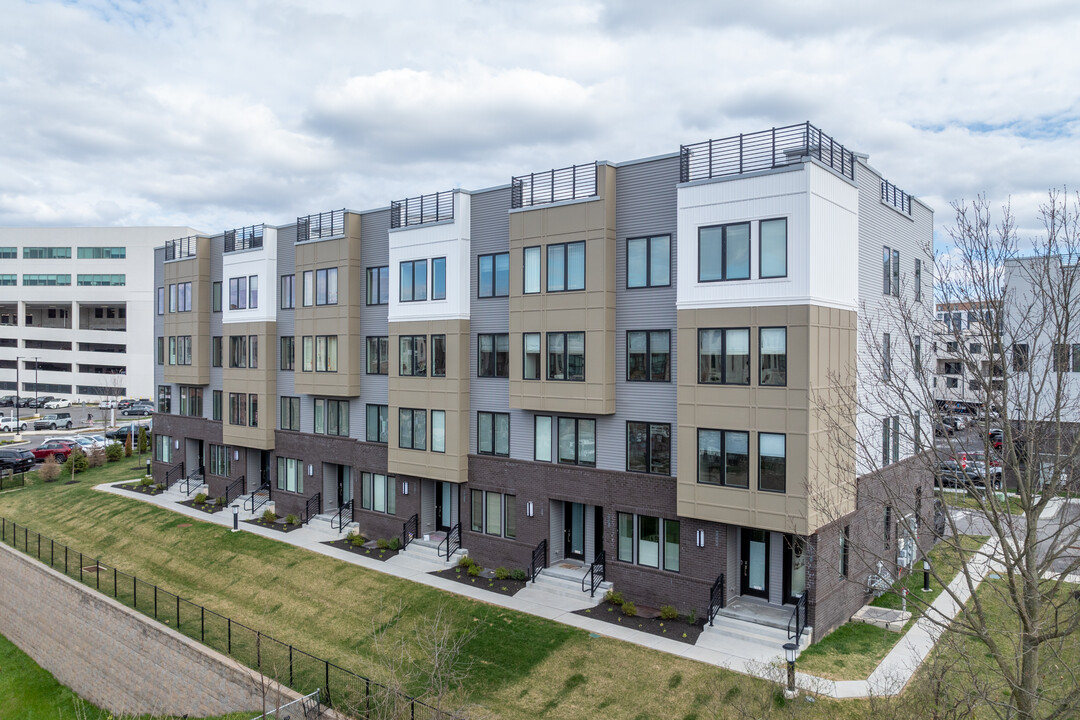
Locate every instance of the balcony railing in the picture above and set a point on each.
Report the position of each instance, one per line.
(895, 197)
(763, 150)
(424, 209)
(320, 226)
(180, 248)
(245, 238)
(569, 183)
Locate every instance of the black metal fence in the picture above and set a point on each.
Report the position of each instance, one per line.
(763, 150)
(895, 197)
(245, 238)
(568, 183)
(424, 209)
(323, 225)
(180, 248)
(341, 689)
(9, 479)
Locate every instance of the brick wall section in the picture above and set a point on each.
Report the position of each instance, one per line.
(111, 655)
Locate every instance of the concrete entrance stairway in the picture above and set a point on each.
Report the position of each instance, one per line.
(753, 629)
(427, 551)
(323, 522)
(563, 579)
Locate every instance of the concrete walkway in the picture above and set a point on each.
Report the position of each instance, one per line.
(755, 659)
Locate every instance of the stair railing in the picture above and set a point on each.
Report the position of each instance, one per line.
(192, 482)
(174, 474)
(234, 489)
(258, 498)
(312, 507)
(409, 530)
(797, 621)
(595, 576)
(452, 542)
(343, 517)
(716, 598)
(539, 560)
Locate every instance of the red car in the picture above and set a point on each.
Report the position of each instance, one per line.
(58, 449)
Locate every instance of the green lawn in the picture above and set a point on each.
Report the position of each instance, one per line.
(853, 650)
(967, 502)
(518, 666)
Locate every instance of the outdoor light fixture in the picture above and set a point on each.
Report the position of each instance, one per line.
(404, 487)
(236, 518)
(235, 454)
(176, 444)
(529, 509)
(925, 575)
(310, 470)
(701, 538)
(790, 651)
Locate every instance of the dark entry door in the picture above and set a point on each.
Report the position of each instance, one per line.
(755, 563)
(202, 463)
(574, 519)
(341, 499)
(443, 500)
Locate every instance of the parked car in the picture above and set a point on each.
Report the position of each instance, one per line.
(86, 442)
(121, 433)
(16, 460)
(125, 403)
(40, 401)
(7, 401)
(950, 473)
(25, 401)
(53, 421)
(138, 409)
(987, 467)
(943, 430)
(106, 404)
(60, 403)
(57, 449)
(955, 421)
(12, 424)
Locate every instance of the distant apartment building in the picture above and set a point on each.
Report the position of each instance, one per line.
(76, 306)
(614, 363)
(968, 355)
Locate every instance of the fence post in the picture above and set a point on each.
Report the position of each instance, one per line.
(290, 667)
(39, 546)
(202, 624)
(155, 602)
(65, 560)
(115, 589)
(230, 635)
(177, 612)
(80, 567)
(52, 547)
(258, 650)
(134, 592)
(97, 573)
(328, 701)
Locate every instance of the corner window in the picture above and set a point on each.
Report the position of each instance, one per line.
(378, 355)
(532, 270)
(412, 350)
(378, 493)
(772, 462)
(412, 429)
(493, 433)
(566, 356)
(378, 285)
(648, 262)
(413, 281)
(531, 354)
(566, 267)
(772, 248)
(378, 425)
(648, 448)
(493, 275)
(438, 279)
(724, 356)
(577, 441)
(773, 356)
(724, 458)
(648, 355)
(493, 355)
(724, 252)
(438, 356)
(542, 438)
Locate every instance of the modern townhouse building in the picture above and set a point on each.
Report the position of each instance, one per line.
(968, 355)
(617, 362)
(75, 306)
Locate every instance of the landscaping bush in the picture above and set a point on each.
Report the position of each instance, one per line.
(78, 460)
(395, 543)
(49, 470)
(114, 451)
(292, 519)
(127, 445)
(357, 540)
(465, 561)
(668, 612)
(146, 482)
(269, 516)
(144, 442)
(501, 573)
(382, 543)
(629, 609)
(475, 570)
(96, 457)
(200, 498)
(220, 501)
(691, 617)
(613, 597)
(518, 574)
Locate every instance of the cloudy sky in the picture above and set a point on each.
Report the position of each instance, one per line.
(223, 113)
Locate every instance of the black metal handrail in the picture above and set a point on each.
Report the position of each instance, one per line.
(895, 197)
(595, 576)
(180, 248)
(245, 238)
(716, 598)
(343, 518)
(452, 541)
(409, 530)
(193, 481)
(234, 489)
(423, 209)
(763, 150)
(539, 560)
(174, 474)
(568, 183)
(258, 495)
(798, 620)
(312, 507)
(321, 225)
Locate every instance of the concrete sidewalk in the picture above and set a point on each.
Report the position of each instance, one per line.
(754, 659)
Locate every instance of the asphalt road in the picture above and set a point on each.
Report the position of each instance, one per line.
(84, 419)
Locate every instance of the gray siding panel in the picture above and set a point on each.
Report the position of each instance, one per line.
(374, 252)
(159, 320)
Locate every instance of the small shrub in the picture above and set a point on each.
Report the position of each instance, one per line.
(200, 498)
(382, 543)
(269, 516)
(357, 540)
(127, 445)
(96, 457)
(465, 561)
(613, 597)
(475, 570)
(668, 612)
(395, 543)
(629, 609)
(501, 573)
(146, 482)
(220, 501)
(518, 574)
(79, 461)
(292, 519)
(114, 451)
(691, 617)
(49, 470)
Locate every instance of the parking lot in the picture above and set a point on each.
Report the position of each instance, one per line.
(84, 419)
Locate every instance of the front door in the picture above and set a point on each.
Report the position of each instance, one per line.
(344, 484)
(574, 519)
(200, 447)
(794, 567)
(443, 502)
(755, 563)
(264, 462)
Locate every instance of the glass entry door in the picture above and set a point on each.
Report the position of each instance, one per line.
(575, 530)
(755, 563)
(344, 484)
(443, 499)
(794, 567)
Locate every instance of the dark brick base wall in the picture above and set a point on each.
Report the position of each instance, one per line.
(314, 450)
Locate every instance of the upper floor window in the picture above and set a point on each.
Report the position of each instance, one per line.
(183, 297)
(215, 351)
(772, 462)
(648, 447)
(773, 356)
(412, 429)
(493, 433)
(161, 301)
(413, 280)
(532, 270)
(320, 287)
(378, 423)
(413, 354)
(172, 295)
(577, 441)
(331, 416)
(238, 293)
(724, 457)
(378, 355)
(918, 280)
(648, 261)
(890, 271)
(238, 351)
(319, 353)
(288, 292)
(566, 266)
(531, 354)
(290, 413)
(216, 297)
(494, 275)
(724, 252)
(886, 356)
(288, 352)
(438, 431)
(1020, 357)
(773, 248)
(648, 355)
(724, 356)
(566, 356)
(438, 278)
(191, 401)
(438, 356)
(378, 285)
(253, 291)
(164, 399)
(9, 253)
(493, 355)
(46, 253)
(102, 253)
(47, 279)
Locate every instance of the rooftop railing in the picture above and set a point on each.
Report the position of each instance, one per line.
(180, 248)
(423, 209)
(569, 183)
(895, 197)
(763, 150)
(320, 226)
(245, 238)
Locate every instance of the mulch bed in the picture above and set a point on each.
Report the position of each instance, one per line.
(647, 620)
(72, 482)
(280, 525)
(207, 507)
(486, 580)
(144, 489)
(369, 549)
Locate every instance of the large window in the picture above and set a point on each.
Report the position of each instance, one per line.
(180, 350)
(412, 429)
(378, 423)
(532, 270)
(438, 278)
(164, 398)
(378, 285)
(378, 355)
(577, 441)
(290, 475)
(724, 252)
(102, 253)
(648, 447)
(238, 294)
(378, 493)
(724, 458)
(331, 417)
(648, 355)
(493, 513)
(648, 541)
(220, 461)
(724, 356)
(31, 279)
(566, 266)
(238, 353)
(542, 438)
(413, 281)
(46, 253)
(98, 279)
(290, 413)
(773, 248)
(648, 261)
(412, 351)
(773, 356)
(493, 433)
(493, 355)
(238, 409)
(772, 462)
(438, 356)
(531, 356)
(288, 352)
(288, 292)
(326, 353)
(566, 356)
(438, 431)
(191, 401)
(494, 275)
(326, 286)
(1020, 357)
(163, 448)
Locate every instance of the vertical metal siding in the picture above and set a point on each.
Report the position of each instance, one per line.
(374, 252)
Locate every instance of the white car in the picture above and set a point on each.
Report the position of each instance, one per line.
(106, 404)
(54, 404)
(86, 442)
(10, 424)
